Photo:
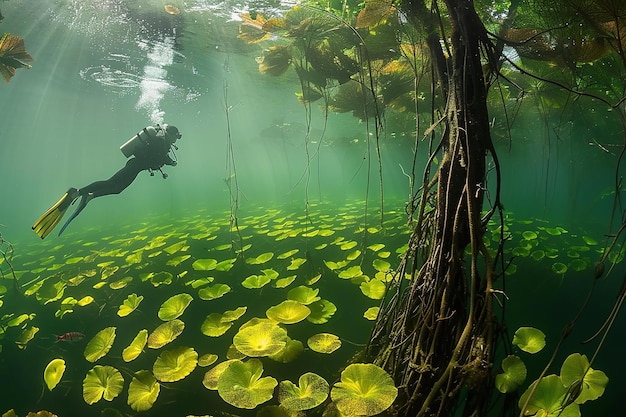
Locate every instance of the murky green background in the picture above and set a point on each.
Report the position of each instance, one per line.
(103, 70)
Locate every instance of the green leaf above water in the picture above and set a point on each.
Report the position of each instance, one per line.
(576, 370)
(165, 333)
(174, 365)
(213, 291)
(364, 390)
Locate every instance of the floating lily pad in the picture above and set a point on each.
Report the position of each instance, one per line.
(213, 291)
(102, 382)
(174, 365)
(174, 306)
(311, 391)
(289, 353)
(513, 376)
(352, 272)
(129, 305)
(213, 375)
(214, 325)
(177, 260)
(381, 266)
(284, 282)
(547, 399)
(576, 370)
(529, 235)
(100, 344)
(165, 333)
(288, 312)
(241, 384)
(225, 265)
(26, 336)
(324, 343)
(260, 337)
(207, 359)
(204, 264)
(303, 294)
(287, 254)
(353, 255)
(296, 264)
(256, 281)
(321, 311)
(376, 247)
(53, 373)
(136, 346)
(529, 339)
(364, 390)
(578, 264)
(374, 289)
(371, 313)
(261, 259)
(559, 268)
(143, 391)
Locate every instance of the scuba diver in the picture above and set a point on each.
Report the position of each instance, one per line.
(148, 150)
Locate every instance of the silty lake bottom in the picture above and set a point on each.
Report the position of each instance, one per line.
(331, 258)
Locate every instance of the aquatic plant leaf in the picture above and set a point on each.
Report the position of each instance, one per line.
(376, 247)
(207, 359)
(176, 247)
(576, 370)
(120, 283)
(165, 333)
(276, 60)
(311, 391)
(529, 235)
(324, 343)
(225, 265)
(214, 325)
(204, 264)
(374, 289)
(352, 272)
(537, 255)
(213, 291)
(102, 382)
(381, 266)
(287, 254)
(174, 365)
(232, 315)
(284, 282)
(177, 260)
(50, 291)
(261, 259)
(86, 300)
(559, 268)
(134, 258)
(143, 391)
(136, 346)
(303, 294)
(241, 384)
(374, 13)
(19, 320)
(578, 265)
(364, 390)
(321, 311)
(260, 337)
(174, 306)
(161, 278)
(100, 344)
(13, 56)
(296, 264)
(256, 281)
(371, 313)
(547, 399)
(529, 339)
(53, 373)
(213, 375)
(289, 353)
(270, 273)
(288, 312)
(353, 255)
(197, 283)
(513, 376)
(26, 336)
(129, 305)
(590, 241)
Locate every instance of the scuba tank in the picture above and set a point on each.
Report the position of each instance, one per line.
(138, 141)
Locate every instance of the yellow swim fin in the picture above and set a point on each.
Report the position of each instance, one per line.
(46, 223)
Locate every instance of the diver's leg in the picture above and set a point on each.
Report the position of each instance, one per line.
(114, 185)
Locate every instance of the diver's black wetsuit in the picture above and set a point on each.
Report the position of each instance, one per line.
(151, 157)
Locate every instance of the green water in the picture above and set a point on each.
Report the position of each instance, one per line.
(103, 70)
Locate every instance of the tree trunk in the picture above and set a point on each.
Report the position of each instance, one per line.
(435, 336)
